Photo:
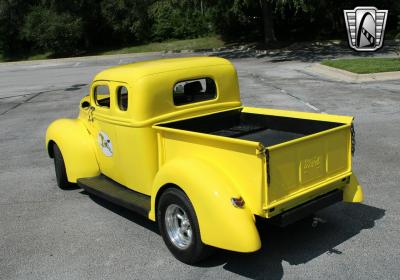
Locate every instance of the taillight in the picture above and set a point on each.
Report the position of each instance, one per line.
(237, 202)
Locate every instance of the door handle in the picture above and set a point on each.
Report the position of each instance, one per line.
(90, 114)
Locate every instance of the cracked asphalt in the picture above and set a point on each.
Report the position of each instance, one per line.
(47, 233)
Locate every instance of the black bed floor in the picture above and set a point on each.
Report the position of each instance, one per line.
(266, 129)
(269, 137)
(266, 136)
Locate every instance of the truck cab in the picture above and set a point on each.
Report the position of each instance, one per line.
(171, 140)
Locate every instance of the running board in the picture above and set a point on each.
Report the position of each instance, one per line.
(114, 192)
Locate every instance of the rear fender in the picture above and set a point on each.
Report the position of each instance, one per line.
(210, 191)
(353, 191)
(76, 146)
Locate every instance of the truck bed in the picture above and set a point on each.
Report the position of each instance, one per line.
(269, 130)
(303, 157)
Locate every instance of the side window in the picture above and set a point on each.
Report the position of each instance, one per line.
(102, 96)
(192, 91)
(122, 98)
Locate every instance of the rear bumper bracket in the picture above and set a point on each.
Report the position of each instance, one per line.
(299, 212)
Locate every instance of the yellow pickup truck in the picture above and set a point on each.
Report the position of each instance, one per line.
(171, 140)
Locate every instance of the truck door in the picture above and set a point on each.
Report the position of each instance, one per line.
(137, 159)
(101, 127)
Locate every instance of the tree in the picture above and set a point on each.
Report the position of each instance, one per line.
(48, 30)
(11, 19)
(179, 19)
(268, 22)
(75, 26)
(128, 19)
(265, 10)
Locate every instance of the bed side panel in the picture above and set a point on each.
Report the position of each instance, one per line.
(300, 115)
(239, 162)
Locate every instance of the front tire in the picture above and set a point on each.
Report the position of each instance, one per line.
(179, 228)
(61, 173)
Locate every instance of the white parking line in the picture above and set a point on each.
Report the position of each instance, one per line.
(309, 105)
(47, 65)
(312, 106)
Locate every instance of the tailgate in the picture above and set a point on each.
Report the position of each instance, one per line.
(306, 164)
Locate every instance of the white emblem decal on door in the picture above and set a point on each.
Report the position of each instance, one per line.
(105, 144)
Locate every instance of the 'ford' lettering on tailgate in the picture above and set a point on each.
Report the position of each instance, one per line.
(314, 162)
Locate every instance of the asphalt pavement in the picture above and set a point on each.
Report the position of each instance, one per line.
(47, 233)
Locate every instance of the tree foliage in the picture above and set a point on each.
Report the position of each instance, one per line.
(74, 26)
(179, 19)
(127, 19)
(52, 31)
(12, 14)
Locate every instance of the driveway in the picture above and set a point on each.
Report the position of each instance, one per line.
(47, 233)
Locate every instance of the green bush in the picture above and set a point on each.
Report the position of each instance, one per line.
(127, 19)
(178, 19)
(51, 31)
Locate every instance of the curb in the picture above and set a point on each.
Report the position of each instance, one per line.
(203, 51)
(346, 76)
(94, 57)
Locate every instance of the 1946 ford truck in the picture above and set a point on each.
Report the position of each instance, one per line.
(171, 140)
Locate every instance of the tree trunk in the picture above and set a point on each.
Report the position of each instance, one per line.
(269, 33)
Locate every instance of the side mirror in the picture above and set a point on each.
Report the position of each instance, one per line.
(85, 104)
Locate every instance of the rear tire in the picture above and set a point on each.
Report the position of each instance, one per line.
(61, 173)
(179, 228)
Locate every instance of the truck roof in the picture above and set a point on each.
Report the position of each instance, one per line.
(133, 71)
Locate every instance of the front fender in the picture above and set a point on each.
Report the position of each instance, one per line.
(210, 190)
(76, 146)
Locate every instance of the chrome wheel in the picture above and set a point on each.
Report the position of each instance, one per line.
(178, 226)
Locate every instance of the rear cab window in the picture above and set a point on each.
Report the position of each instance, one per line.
(192, 91)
